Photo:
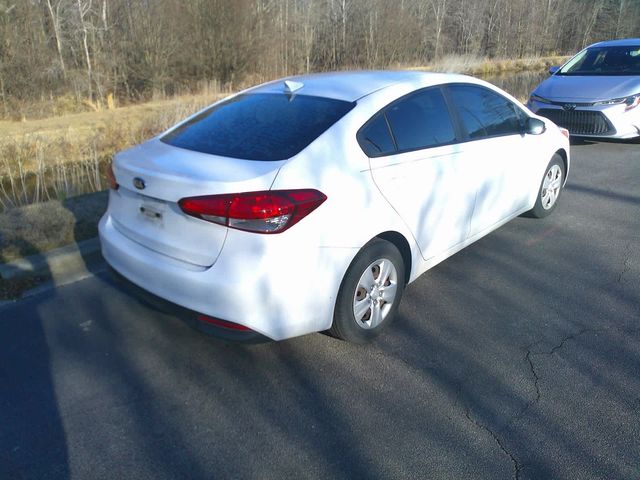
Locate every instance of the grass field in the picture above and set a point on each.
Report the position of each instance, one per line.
(70, 137)
(478, 66)
(58, 157)
(32, 145)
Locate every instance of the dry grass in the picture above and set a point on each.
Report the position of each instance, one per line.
(43, 226)
(81, 136)
(472, 65)
(59, 157)
(71, 136)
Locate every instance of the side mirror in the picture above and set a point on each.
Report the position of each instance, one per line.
(534, 126)
(553, 70)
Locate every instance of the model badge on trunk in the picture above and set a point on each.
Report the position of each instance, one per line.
(139, 183)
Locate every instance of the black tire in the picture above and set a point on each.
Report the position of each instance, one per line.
(345, 325)
(542, 208)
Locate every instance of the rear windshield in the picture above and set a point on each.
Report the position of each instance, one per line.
(604, 61)
(259, 126)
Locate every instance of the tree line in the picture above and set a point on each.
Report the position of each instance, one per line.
(133, 48)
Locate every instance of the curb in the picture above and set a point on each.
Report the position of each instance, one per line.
(61, 264)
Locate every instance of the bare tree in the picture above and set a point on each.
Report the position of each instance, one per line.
(133, 48)
(84, 6)
(55, 14)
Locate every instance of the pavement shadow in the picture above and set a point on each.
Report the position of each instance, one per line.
(32, 436)
(87, 211)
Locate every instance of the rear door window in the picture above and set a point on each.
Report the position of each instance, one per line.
(421, 120)
(418, 120)
(484, 113)
(259, 126)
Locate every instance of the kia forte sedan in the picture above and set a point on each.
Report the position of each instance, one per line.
(308, 204)
(596, 93)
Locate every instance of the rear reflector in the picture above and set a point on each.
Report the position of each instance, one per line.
(271, 211)
(222, 323)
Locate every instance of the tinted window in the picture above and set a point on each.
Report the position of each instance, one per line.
(259, 126)
(375, 138)
(619, 60)
(421, 120)
(484, 113)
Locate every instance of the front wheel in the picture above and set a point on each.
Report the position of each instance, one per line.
(370, 293)
(550, 188)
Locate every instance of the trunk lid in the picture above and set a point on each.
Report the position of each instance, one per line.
(154, 176)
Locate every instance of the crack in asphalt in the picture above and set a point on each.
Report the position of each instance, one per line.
(536, 376)
(517, 468)
(626, 263)
(573, 336)
(536, 384)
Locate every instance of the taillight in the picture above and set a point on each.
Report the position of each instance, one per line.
(111, 178)
(271, 211)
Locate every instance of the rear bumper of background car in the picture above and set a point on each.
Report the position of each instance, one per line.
(261, 282)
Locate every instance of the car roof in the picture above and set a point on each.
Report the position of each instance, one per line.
(623, 42)
(353, 85)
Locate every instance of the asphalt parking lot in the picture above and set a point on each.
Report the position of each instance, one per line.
(519, 357)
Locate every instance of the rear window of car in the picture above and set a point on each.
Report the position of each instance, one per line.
(259, 126)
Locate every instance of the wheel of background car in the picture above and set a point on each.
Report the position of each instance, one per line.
(370, 293)
(550, 188)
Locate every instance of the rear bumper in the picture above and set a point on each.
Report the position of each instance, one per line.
(188, 316)
(265, 283)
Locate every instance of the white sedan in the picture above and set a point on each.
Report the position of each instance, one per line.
(309, 203)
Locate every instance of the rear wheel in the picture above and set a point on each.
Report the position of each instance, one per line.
(370, 293)
(550, 188)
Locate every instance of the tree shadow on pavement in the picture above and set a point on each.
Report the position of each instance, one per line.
(32, 436)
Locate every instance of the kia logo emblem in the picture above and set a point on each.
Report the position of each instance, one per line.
(139, 183)
(569, 106)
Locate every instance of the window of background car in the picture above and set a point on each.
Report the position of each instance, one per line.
(375, 138)
(622, 60)
(484, 113)
(421, 120)
(259, 126)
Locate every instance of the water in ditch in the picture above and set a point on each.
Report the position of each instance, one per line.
(56, 182)
(520, 84)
